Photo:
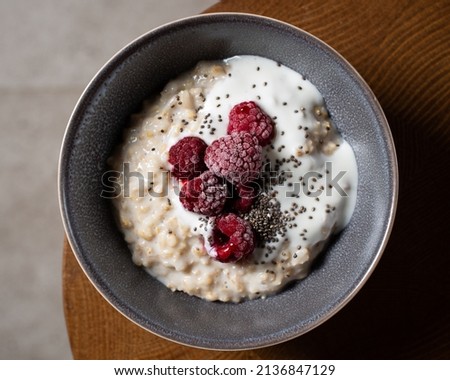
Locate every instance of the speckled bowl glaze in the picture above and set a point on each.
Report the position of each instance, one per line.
(140, 70)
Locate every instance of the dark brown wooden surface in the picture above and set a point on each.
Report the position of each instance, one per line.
(402, 49)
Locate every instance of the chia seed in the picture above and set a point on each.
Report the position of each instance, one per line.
(267, 219)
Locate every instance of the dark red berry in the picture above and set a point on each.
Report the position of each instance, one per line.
(236, 157)
(248, 117)
(187, 157)
(244, 198)
(204, 195)
(232, 238)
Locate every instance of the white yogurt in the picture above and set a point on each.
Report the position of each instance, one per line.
(172, 243)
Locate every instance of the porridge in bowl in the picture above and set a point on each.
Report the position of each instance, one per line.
(232, 181)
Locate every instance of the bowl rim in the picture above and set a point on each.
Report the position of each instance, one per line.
(391, 152)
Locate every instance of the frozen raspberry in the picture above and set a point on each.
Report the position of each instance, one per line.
(244, 198)
(205, 194)
(248, 117)
(235, 157)
(232, 238)
(187, 157)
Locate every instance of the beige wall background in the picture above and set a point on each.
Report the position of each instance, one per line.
(49, 51)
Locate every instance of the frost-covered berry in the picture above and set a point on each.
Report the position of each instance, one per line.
(187, 157)
(232, 238)
(249, 117)
(236, 157)
(204, 195)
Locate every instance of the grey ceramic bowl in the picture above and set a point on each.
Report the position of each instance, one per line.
(140, 70)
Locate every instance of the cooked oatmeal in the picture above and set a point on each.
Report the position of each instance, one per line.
(301, 168)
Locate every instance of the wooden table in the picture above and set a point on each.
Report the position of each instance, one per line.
(402, 49)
